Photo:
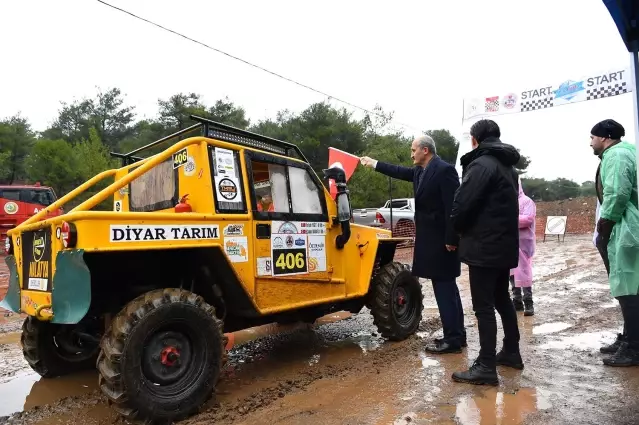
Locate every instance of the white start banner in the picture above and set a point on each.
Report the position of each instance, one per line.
(591, 87)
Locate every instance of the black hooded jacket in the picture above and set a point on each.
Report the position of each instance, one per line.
(485, 211)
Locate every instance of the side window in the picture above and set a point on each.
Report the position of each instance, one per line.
(154, 190)
(50, 196)
(269, 185)
(227, 180)
(11, 194)
(399, 204)
(304, 193)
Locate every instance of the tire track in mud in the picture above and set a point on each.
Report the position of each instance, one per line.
(371, 363)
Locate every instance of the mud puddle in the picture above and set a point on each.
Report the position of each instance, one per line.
(28, 390)
(547, 328)
(494, 407)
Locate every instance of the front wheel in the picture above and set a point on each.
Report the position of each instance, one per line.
(162, 356)
(396, 302)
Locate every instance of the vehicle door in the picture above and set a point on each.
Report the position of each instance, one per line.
(289, 207)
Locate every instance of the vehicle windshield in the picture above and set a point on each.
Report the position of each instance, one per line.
(39, 196)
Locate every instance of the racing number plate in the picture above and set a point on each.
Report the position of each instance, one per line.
(36, 263)
(289, 261)
(180, 158)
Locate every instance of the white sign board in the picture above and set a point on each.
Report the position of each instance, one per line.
(556, 225)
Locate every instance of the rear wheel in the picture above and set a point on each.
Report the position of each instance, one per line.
(396, 302)
(54, 350)
(162, 356)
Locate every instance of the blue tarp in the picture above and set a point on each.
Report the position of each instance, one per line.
(625, 13)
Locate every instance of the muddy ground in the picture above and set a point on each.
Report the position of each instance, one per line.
(342, 372)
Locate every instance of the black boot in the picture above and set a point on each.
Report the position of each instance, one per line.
(625, 356)
(510, 360)
(612, 348)
(519, 305)
(477, 374)
(528, 308)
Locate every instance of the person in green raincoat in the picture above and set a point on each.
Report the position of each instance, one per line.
(618, 233)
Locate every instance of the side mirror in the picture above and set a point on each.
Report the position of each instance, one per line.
(335, 173)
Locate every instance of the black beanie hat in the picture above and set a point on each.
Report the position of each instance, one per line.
(608, 128)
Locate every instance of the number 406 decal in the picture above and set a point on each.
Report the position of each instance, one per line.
(289, 261)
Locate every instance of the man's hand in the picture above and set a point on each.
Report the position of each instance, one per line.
(368, 162)
(451, 247)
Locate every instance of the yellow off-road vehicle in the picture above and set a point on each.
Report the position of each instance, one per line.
(217, 233)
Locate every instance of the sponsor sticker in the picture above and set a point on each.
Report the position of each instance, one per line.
(146, 233)
(236, 248)
(234, 230)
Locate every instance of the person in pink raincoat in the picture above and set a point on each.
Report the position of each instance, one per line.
(521, 277)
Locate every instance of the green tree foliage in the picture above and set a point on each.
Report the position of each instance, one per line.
(51, 162)
(369, 188)
(447, 145)
(16, 140)
(106, 113)
(76, 146)
(551, 190)
(63, 166)
(314, 130)
(587, 189)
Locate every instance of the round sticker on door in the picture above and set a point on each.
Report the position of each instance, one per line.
(10, 208)
(189, 167)
(228, 189)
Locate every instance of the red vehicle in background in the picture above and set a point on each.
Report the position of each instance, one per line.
(19, 202)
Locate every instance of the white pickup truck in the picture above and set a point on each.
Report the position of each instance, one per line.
(403, 216)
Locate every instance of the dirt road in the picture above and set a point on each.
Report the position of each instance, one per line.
(342, 372)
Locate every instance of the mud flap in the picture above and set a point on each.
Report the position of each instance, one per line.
(11, 301)
(71, 295)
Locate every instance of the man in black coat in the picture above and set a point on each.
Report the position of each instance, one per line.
(486, 216)
(435, 256)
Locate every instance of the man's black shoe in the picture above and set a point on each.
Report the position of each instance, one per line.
(612, 348)
(528, 308)
(477, 374)
(510, 360)
(624, 357)
(443, 348)
(440, 340)
(519, 305)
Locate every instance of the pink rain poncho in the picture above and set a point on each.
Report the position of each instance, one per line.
(527, 215)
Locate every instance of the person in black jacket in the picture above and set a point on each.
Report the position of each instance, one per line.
(435, 256)
(485, 214)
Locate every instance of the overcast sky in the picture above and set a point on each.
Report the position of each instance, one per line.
(417, 58)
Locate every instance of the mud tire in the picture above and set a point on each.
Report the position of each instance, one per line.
(48, 357)
(394, 322)
(128, 367)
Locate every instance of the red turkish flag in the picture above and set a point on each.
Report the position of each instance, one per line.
(343, 160)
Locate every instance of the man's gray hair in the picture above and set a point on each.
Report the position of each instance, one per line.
(427, 142)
